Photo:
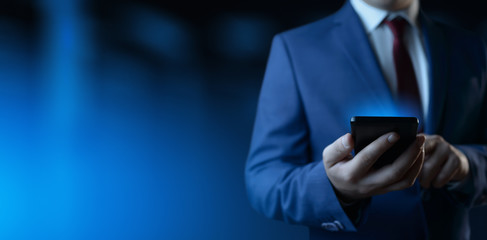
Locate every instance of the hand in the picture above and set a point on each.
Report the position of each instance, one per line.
(443, 163)
(354, 178)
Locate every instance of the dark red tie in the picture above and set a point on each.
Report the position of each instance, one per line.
(408, 97)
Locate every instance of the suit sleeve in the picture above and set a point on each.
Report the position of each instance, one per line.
(473, 190)
(282, 181)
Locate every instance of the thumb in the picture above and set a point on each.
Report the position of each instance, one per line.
(338, 150)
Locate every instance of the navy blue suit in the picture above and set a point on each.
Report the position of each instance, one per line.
(320, 75)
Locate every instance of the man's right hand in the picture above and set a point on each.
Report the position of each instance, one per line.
(354, 178)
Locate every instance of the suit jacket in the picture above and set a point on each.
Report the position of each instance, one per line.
(320, 75)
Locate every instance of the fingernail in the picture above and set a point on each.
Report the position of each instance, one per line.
(393, 138)
(345, 143)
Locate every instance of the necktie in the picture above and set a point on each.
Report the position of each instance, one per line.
(408, 97)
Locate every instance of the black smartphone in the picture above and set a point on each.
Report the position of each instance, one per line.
(367, 129)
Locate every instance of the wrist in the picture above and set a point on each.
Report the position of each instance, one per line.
(345, 199)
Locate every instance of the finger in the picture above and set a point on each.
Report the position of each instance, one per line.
(364, 160)
(338, 150)
(432, 166)
(447, 172)
(395, 171)
(463, 166)
(433, 143)
(429, 144)
(446, 181)
(409, 178)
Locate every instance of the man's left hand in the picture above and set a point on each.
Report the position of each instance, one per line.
(442, 163)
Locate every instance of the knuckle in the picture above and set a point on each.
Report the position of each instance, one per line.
(338, 148)
(437, 138)
(349, 178)
(324, 153)
(327, 151)
(427, 166)
(367, 158)
(444, 147)
(451, 148)
(396, 172)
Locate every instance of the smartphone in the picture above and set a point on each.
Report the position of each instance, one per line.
(365, 130)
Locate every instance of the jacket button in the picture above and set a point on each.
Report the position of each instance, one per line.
(339, 224)
(334, 226)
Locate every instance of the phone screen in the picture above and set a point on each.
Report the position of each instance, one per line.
(367, 129)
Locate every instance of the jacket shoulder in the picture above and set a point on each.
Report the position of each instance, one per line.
(308, 32)
(457, 36)
(467, 44)
(310, 29)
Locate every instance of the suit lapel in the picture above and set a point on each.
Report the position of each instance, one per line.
(354, 41)
(435, 46)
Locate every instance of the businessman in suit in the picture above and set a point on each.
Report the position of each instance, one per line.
(372, 57)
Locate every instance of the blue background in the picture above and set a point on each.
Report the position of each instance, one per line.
(132, 119)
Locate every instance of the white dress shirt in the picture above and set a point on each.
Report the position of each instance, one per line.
(381, 39)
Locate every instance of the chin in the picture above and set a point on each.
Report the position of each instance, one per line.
(390, 5)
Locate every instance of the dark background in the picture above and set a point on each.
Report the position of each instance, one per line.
(132, 119)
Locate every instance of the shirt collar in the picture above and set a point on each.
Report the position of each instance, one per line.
(372, 17)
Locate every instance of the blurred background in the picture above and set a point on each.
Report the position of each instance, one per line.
(132, 119)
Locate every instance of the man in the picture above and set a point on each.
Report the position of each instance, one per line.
(366, 60)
